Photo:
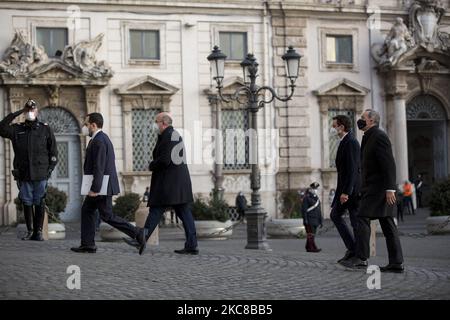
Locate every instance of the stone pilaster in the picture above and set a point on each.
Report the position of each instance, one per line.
(396, 88)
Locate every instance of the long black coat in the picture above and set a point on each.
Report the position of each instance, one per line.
(348, 165)
(171, 182)
(378, 174)
(100, 161)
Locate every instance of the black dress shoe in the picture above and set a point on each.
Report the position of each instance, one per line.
(347, 256)
(131, 242)
(84, 249)
(28, 235)
(187, 251)
(391, 267)
(37, 236)
(354, 263)
(141, 238)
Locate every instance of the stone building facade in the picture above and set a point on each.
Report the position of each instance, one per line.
(353, 59)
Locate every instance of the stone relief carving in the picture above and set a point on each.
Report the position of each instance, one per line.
(424, 18)
(240, 182)
(423, 31)
(22, 58)
(53, 95)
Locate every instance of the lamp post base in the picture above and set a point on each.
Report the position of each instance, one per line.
(256, 229)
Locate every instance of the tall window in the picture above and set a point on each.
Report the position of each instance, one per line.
(333, 139)
(339, 49)
(52, 39)
(143, 137)
(233, 44)
(235, 142)
(144, 44)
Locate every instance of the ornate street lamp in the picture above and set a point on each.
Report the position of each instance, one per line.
(255, 214)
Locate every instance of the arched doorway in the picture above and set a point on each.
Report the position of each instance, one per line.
(67, 174)
(427, 140)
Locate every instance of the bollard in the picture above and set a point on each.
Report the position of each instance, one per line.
(140, 217)
(45, 226)
(373, 238)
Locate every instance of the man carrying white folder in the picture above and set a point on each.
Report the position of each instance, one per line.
(100, 183)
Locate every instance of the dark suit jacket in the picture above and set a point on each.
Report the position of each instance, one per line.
(378, 174)
(171, 182)
(100, 161)
(348, 167)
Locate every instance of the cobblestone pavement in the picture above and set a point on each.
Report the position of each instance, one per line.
(223, 270)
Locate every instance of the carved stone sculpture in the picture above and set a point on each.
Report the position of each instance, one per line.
(424, 18)
(21, 57)
(82, 56)
(397, 42)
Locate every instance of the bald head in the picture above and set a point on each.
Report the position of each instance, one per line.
(163, 120)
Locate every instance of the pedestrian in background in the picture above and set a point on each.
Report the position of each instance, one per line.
(407, 197)
(312, 216)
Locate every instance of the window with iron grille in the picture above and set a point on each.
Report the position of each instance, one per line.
(52, 39)
(333, 140)
(235, 142)
(144, 44)
(233, 44)
(143, 137)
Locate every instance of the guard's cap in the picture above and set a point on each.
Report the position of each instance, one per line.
(30, 104)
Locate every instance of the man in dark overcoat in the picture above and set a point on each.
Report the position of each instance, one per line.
(170, 183)
(377, 194)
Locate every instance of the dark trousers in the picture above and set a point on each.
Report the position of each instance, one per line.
(400, 211)
(419, 198)
(88, 219)
(390, 233)
(183, 211)
(347, 236)
(408, 203)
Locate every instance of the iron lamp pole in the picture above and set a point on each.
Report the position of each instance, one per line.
(255, 214)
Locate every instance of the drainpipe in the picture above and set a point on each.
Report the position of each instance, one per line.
(266, 76)
(283, 13)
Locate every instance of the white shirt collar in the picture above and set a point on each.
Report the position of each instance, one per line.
(95, 133)
(343, 136)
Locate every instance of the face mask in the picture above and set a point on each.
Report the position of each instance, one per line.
(361, 124)
(85, 131)
(154, 127)
(333, 131)
(30, 116)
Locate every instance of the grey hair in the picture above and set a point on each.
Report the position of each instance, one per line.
(166, 119)
(375, 116)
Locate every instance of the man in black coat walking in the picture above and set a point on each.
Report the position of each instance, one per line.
(100, 162)
(171, 183)
(346, 196)
(377, 194)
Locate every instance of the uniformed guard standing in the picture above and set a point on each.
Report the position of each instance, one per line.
(312, 216)
(35, 158)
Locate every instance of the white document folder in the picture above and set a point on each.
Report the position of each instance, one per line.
(86, 185)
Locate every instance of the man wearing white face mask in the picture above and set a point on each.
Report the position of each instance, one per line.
(100, 162)
(348, 187)
(35, 158)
